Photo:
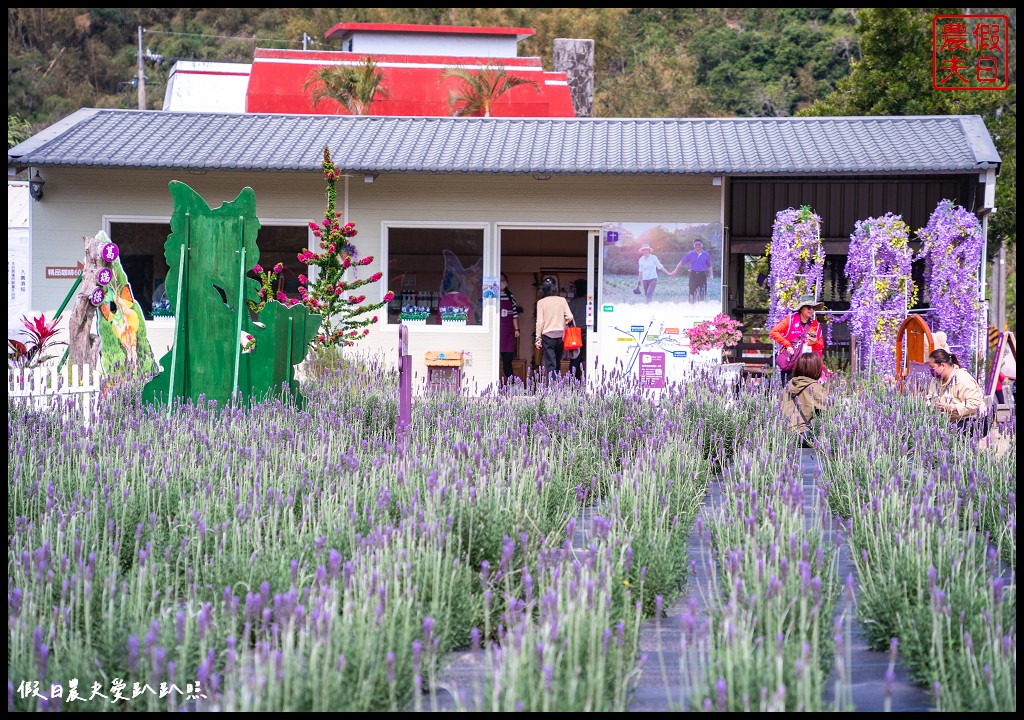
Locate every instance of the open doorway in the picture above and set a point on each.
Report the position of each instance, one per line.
(528, 255)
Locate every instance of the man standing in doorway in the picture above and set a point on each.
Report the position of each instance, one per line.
(698, 261)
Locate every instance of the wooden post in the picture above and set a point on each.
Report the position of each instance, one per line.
(404, 380)
(83, 344)
(178, 325)
(241, 304)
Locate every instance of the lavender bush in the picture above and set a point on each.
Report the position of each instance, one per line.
(281, 558)
(771, 633)
(932, 526)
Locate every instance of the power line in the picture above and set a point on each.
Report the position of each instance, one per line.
(224, 37)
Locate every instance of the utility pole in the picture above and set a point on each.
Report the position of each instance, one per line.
(999, 296)
(142, 75)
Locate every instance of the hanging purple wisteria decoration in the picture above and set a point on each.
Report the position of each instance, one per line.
(797, 259)
(953, 242)
(878, 267)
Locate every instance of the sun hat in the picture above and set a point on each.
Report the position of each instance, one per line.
(810, 300)
(643, 247)
(940, 341)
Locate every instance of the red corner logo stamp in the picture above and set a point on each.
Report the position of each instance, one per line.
(970, 52)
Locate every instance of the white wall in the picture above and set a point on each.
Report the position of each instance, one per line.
(207, 87)
(19, 253)
(78, 201)
(439, 44)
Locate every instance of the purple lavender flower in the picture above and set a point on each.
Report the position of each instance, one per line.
(133, 653)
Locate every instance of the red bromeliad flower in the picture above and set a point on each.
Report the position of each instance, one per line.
(41, 337)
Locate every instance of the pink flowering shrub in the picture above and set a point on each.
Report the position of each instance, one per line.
(719, 332)
(347, 314)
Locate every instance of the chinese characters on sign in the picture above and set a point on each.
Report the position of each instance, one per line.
(970, 52)
(117, 692)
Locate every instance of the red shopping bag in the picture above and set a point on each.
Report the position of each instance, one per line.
(572, 339)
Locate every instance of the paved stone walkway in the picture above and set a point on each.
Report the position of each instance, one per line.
(664, 683)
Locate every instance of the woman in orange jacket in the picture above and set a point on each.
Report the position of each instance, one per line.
(800, 323)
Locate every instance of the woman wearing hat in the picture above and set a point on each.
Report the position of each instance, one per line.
(800, 329)
(647, 275)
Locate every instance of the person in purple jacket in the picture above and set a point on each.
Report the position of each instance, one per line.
(698, 262)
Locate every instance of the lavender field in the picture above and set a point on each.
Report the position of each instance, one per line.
(284, 558)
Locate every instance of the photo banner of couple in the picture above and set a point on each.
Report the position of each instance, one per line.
(659, 280)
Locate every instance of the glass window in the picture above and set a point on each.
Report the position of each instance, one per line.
(436, 275)
(141, 247)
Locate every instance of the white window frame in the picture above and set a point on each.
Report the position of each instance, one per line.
(487, 323)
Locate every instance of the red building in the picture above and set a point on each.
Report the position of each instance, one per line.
(413, 59)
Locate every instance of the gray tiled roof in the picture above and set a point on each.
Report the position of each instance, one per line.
(731, 146)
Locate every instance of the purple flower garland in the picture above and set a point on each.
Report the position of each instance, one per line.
(797, 259)
(953, 242)
(879, 269)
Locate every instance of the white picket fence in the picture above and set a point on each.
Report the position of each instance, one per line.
(72, 389)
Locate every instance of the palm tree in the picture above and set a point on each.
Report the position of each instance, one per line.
(477, 90)
(355, 87)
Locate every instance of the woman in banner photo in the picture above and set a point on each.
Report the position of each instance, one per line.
(508, 341)
(553, 315)
(647, 275)
(698, 262)
(800, 328)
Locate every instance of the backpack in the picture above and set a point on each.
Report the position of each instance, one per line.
(806, 436)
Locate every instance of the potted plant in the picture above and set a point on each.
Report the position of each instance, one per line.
(451, 315)
(414, 315)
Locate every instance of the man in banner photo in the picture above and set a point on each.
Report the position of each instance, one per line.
(698, 261)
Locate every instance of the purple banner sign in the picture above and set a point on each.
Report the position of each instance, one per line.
(652, 369)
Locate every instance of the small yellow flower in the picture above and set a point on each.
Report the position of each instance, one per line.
(625, 582)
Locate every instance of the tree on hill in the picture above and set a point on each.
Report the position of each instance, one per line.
(894, 77)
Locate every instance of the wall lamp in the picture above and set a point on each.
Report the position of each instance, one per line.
(368, 178)
(35, 187)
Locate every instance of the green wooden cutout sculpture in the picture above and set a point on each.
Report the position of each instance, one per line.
(209, 253)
